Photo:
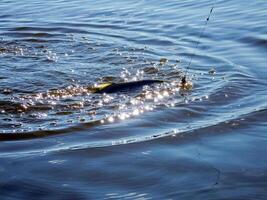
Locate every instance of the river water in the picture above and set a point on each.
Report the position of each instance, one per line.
(59, 141)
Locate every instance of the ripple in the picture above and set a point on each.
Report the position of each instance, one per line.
(256, 41)
(139, 143)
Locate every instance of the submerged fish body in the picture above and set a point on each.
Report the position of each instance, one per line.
(118, 87)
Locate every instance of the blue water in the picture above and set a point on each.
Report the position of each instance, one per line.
(59, 141)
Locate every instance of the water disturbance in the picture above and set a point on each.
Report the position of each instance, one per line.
(59, 139)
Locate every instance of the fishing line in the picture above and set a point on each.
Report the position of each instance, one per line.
(199, 37)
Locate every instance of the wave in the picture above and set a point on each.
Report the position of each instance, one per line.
(254, 40)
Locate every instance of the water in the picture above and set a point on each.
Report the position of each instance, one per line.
(59, 141)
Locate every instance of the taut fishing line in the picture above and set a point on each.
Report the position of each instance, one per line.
(199, 37)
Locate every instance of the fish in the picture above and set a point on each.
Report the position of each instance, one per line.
(118, 87)
(125, 86)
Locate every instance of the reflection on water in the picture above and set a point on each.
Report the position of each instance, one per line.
(156, 141)
(44, 110)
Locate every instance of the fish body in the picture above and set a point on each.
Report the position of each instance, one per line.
(118, 87)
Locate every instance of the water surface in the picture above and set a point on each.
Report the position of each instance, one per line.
(154, 142)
